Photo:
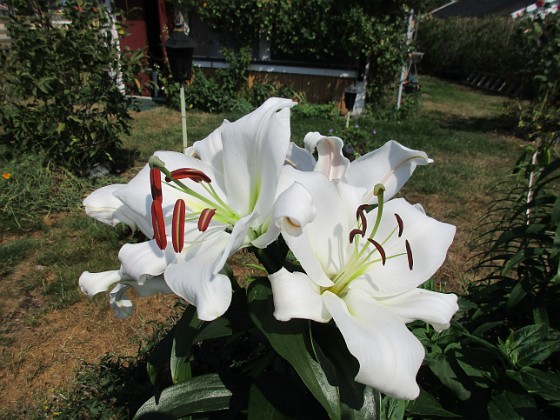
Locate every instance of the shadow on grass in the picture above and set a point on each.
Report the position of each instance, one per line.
(505, 124)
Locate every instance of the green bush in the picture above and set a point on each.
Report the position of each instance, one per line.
(60, 88)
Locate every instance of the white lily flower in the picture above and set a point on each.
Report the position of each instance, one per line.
(363, 270)
(390, 165)
(219, 196)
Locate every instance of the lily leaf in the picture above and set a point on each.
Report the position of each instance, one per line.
(536, 381)
(201, 394)
(291, 340)
(186, 330)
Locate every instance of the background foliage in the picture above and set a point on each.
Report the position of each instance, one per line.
(320, 31)
(60, 85)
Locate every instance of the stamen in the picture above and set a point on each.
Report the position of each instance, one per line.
(380, 249)
(178, 226)
(361, 214)
(190, 173)
(400, 223)
(155, 184)
(158, 225)
(409, 254)
(205, 218)
(355, 232)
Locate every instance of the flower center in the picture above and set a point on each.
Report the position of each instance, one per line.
(370, 250)
(208, 206)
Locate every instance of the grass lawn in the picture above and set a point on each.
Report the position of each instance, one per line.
(49, 329)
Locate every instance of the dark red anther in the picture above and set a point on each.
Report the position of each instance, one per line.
(400, 223)
(178, 226)
(409, 254)
(205, 218)
(158, 225)
(192, 174)
(380, 249)
(355, 232)
(155, 184)
(361, 214)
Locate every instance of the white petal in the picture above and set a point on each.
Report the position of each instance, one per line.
(331, 162)
(429, 241)
(210, 149)
(323, 246)
(123, 305)
(102, 205)
(300, 158)
(390, 165)
(93, 283)
(292, 210)
(296, 296)
(120, 302)
(426, 305)
(144, 260)
(236, 240)
(389, 354)
(192, 277)
(255, 147)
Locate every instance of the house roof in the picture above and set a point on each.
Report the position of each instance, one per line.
(477, 8)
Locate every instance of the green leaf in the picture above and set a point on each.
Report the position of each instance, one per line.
(392, 408)
(202, 394)
(536, 381)
(442, 368)
(530, 345)
(185, 331)
(273, 396)
(508, 405)
(291, 340)
(427, 406)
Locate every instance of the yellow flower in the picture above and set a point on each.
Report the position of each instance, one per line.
(6, 175)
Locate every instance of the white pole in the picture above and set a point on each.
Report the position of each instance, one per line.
(404, 70)
(184, 117)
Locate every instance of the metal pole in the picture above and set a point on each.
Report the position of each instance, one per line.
(184, 117)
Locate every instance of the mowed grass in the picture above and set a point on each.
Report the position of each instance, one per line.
(46, 241)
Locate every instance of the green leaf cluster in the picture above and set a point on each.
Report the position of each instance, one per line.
(62, 86)
(248, 364)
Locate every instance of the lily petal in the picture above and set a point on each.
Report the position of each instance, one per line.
(144, 260)
(123, 305)
(93, 283)
(297, 296)
(292, 211)
(255, 147)
(429, 240)
(211, 148)
(389, 354)
(192, 277)
(300, 158)
(390, 165)
(420, 304)
(331, 161)
(103, 206)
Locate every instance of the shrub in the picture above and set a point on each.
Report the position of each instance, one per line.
(60, 89)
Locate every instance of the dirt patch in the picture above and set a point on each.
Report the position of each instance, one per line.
(40, 355)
